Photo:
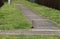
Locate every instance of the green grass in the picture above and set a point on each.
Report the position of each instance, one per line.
(12, 18)
(49, 13)
(29, 36)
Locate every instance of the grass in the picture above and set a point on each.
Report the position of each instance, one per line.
(47, 12)
(29, 36)
(12, 18)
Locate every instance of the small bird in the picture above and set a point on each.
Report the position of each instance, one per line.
(32, 27)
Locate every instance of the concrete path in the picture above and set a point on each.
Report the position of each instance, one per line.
(38, 22)
(31, 32)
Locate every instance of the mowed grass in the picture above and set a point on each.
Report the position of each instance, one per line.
(12, 18)
(29, 36)
(47, 12)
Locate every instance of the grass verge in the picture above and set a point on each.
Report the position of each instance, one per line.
(29, 36)
(12, 18)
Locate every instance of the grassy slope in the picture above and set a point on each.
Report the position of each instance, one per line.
(45, 11)
(12, 18)
(29, 36)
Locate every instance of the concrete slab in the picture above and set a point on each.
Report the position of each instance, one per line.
(44, 23)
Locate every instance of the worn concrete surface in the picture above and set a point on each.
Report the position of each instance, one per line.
(38, 22)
